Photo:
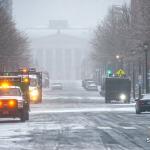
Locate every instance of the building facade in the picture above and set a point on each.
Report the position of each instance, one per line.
(61, 55)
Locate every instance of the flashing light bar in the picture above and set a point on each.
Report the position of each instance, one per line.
(24, 70)
(32, 70)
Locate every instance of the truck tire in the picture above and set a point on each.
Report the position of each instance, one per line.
(27, 115)
(23, 116)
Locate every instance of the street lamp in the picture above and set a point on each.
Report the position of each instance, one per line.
(120, 59)
(117, 57)
(145, 45)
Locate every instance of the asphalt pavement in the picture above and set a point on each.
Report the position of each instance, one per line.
(76, 119)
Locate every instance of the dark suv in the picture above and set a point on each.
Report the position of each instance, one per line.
(142, 104)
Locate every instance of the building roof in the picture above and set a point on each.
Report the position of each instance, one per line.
(59, 40)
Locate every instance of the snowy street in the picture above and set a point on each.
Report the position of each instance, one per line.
(75, 119)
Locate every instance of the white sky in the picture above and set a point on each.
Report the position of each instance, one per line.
(81, 13)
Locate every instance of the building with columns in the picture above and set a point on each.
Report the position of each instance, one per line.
(60, 54)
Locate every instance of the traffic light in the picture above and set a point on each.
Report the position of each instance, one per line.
(109, 72)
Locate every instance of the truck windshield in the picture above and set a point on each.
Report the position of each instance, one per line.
(10, 92)
(118, 84)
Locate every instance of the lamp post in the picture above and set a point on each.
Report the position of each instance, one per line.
(146, 67)
(120, 59)
(133, 53)
(140, 77)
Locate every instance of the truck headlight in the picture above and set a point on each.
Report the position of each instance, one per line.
(123, 97)
(34, 94)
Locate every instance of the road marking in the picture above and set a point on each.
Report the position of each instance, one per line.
(129, 128)
(104, 128)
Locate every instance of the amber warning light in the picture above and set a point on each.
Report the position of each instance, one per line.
(26, 80)
(12, 103)
(5, 84)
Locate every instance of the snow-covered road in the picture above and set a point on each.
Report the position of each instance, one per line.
(77, 120)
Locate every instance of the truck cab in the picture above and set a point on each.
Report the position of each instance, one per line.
(14, 102)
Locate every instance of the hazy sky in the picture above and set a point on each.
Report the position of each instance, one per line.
(81, 13)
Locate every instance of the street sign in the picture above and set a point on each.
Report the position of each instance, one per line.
(120, 72)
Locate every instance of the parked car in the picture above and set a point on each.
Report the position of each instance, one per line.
(84, 81)
(91, 86)
(142, 104)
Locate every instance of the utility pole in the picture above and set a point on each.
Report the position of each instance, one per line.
(140, 78)
(146, 67)
(133, 77)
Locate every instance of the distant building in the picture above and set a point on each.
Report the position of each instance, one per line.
(58, 24)
(60, 54)
(7, 5)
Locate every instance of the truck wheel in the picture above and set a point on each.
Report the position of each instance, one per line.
(23, 116)
(27, 115)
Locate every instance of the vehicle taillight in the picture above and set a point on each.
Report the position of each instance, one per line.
(11, 103)
(1, 104)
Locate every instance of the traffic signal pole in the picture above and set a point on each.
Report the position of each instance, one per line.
(133, 84)
(146, 70)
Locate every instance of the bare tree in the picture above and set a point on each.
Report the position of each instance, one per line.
(13, 44)
(113, 36)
